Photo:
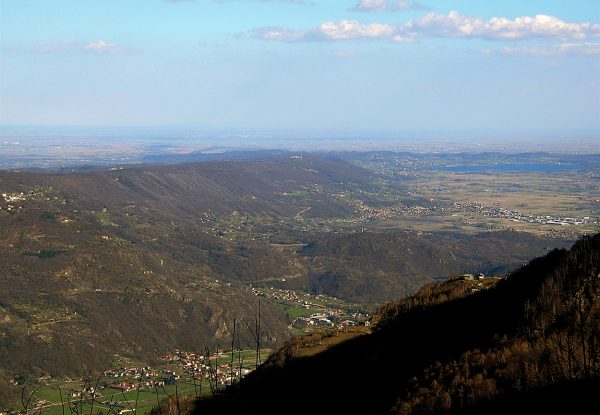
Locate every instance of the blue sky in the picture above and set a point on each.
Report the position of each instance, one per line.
(349, 66)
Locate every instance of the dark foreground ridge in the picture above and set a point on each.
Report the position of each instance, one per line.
(530, 342)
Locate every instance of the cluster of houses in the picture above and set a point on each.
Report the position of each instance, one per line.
(282, 295)
(127, 379)
(89, 391)
(12, 208)
(514, 215)
(331, 320)
(203, 367)
(369, 212)
(131, 372)
(497, 211)
(326, 317)
(12, 199)
(314, 320)
(467, 277)
(474, 282)
(127, 386)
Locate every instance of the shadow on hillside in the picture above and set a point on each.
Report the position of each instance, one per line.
(369, 373)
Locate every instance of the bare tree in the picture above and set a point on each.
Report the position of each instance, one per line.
(256, 332)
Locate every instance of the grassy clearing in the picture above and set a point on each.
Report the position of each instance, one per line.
(295, 312)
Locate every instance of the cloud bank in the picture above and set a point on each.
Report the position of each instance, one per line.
(451, 25)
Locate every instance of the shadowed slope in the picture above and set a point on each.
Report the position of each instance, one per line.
(369, 374)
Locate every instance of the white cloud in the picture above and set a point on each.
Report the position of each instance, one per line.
(351, 29)
(386, 6)
(454, 24)
(451, 25)
(97, 47)
(343, 30)
(101, 46)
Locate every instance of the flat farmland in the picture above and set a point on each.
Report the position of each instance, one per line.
(538, 203)
(557, 194)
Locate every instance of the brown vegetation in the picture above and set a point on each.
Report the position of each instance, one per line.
(126, 262)
(443, 350)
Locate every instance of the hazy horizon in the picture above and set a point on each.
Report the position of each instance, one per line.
(349, 67)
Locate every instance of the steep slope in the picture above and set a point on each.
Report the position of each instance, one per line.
(189, 190)
(75, 294)
(375, 268)
(430, 354)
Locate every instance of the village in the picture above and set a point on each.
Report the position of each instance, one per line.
(368, 212)
(309, 312)
(183, 368)
(14, 201)
(498, 211)
(133, 387)
(219, 367)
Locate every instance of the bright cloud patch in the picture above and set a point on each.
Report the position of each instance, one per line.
(500, 28)
(343, 30)
(350, 29)
(101, 46)
(451, 25)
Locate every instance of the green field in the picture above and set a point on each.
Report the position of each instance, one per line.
(143, 401)
(54, 396)
(295, 312)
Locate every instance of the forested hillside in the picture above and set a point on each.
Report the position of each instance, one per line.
(142, 260)
(454, 346)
